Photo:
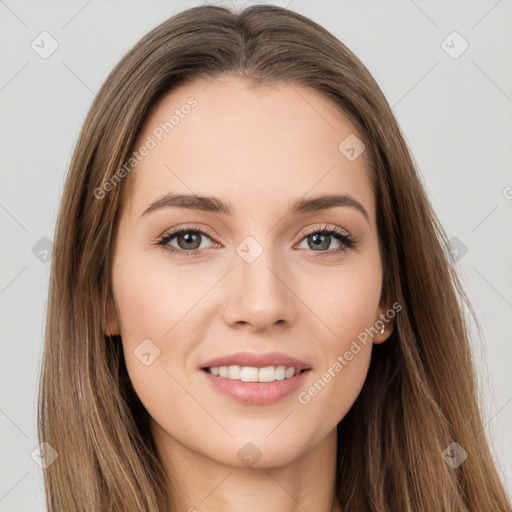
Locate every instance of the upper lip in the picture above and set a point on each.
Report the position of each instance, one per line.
(257, 360)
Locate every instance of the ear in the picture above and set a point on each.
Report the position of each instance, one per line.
(384, 320)
(111, 321)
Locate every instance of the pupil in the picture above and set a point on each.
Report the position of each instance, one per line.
(190, 238)
(318, 243)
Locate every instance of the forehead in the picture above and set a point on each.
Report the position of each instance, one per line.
(259, 146)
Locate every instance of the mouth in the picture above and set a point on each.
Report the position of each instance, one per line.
(255, 385)
(255, 374)
(255, 379)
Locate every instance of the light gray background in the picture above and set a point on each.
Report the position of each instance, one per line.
(456, 114)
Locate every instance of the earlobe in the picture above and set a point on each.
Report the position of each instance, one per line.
(383, 333)
(383, 324)
(110, 325)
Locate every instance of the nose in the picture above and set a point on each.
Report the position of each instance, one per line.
(259, 295)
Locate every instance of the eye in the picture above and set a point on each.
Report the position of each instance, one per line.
(319, 240)
(188, 240)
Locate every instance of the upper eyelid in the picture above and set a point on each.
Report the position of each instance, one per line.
(327, 227)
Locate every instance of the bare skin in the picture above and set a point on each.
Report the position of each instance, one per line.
(261, 150)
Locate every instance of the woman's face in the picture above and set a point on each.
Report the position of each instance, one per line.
(253, 272)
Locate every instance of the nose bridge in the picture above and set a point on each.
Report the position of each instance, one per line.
(257, 291)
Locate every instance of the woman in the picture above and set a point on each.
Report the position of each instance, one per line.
(250, 307)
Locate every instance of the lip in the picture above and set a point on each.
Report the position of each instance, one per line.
(255, 393)
(257, 361)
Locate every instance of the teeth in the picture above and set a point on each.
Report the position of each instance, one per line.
(290, 372)
(234, 372)
(252, 374)
(248, 374)
(280, 372)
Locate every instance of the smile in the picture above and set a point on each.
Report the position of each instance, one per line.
(253, 374)
(255, 390)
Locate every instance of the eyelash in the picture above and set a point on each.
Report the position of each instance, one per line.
(348, 242)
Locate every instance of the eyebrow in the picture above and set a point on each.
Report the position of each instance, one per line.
(215, 205)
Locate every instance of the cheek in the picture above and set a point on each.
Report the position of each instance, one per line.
(157, 334)
(152, 296)
(335, 385)
(153, 307)
(333, 391)
(345, 299)
(347, 305)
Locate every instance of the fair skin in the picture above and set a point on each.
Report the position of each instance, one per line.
(260, 150)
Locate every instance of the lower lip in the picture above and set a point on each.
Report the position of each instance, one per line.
(256, 393)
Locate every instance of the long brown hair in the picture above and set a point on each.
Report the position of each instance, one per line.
(413, 404)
